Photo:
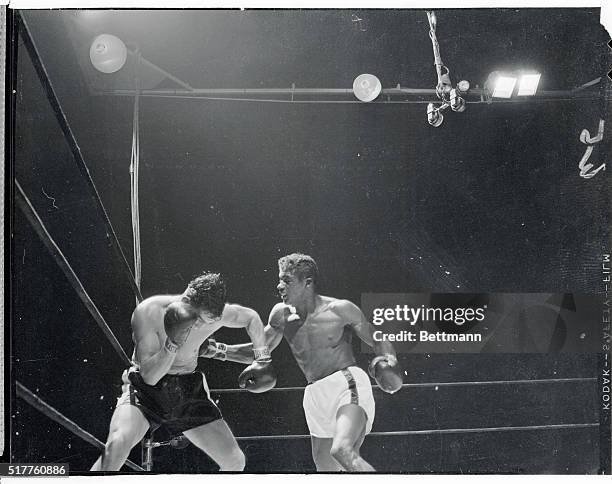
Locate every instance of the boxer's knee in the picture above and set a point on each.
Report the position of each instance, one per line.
(117, 445)
(233, 461)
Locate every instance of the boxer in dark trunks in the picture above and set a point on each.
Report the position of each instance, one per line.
(338, 401)
(162, 386)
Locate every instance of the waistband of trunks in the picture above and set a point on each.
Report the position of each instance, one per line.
(339, 370)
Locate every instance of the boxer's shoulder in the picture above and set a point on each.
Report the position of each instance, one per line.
(150, 311)
(278, 315)
(156, 302)
(339, 305)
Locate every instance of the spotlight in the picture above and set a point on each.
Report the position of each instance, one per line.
(502, 84)
(366, 87)
(107, 53)
(457, 103)
(504, 87)
(528, 84)
(434, 115)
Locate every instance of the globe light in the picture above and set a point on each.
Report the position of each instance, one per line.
(107, 53)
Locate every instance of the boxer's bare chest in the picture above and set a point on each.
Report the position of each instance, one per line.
(319, 331)
(321, 344)
(187, 354)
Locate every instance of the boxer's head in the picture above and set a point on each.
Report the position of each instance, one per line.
(207, 293)
(297, 274)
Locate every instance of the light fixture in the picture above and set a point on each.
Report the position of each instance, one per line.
(463, 86)
(528, 84)
(449, 96)
(503, 84)
(504, 87)
(366, 87)
(434, 115)
(457, 103)
(107, 53)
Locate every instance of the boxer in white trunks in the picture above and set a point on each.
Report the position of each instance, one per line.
(338, 400)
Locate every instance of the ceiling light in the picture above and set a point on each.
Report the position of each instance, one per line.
(107, 53)
(528, 84)
(366, 87)
(504, 86)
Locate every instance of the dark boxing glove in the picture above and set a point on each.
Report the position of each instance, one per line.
(179, 320)
(259, 376)
(387, 373)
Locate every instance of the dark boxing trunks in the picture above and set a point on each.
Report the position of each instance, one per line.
(176, 402)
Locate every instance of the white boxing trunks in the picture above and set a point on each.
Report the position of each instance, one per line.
(323, 399)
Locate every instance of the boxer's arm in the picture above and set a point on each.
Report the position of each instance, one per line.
(154, 359)
(243, 353)
(236, 316)
(350, 313)
(384, 367)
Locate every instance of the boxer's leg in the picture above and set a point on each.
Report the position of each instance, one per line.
(128, 426)
(216, 440)
(321, 455)
(350, 430)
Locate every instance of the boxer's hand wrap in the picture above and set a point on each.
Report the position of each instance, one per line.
(213, 349)
(170, 346)
(262, 354)
(387, 373)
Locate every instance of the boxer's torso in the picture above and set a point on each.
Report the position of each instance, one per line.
(151, 312)
(321, 343)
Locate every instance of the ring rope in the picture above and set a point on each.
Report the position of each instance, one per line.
(64, 421)
(49, 411)
(438, 384)
(439, 431)
(75, 149)
(134, 197)
(30, 213)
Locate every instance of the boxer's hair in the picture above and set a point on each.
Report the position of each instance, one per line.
(207, 291)
(301, 265)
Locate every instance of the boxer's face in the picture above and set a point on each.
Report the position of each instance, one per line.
(290, 288)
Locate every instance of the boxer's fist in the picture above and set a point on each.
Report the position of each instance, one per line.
(179, 320)
(258, 377)
(387, 373)
(212, 349)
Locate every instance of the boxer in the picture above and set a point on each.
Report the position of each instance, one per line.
(338, 401)
(163, 387)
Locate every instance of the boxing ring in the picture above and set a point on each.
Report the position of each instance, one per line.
(150, 443)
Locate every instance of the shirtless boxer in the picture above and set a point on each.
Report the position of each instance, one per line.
(163, 387)
(338, 401)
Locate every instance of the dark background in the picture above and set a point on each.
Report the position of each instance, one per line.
(382, 200)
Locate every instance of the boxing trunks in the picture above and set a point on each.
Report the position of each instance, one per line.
(176, 402)
(324, 397)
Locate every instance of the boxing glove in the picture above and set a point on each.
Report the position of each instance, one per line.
(213, 349)
(179, 320)
(387, 373)
(258, 377)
